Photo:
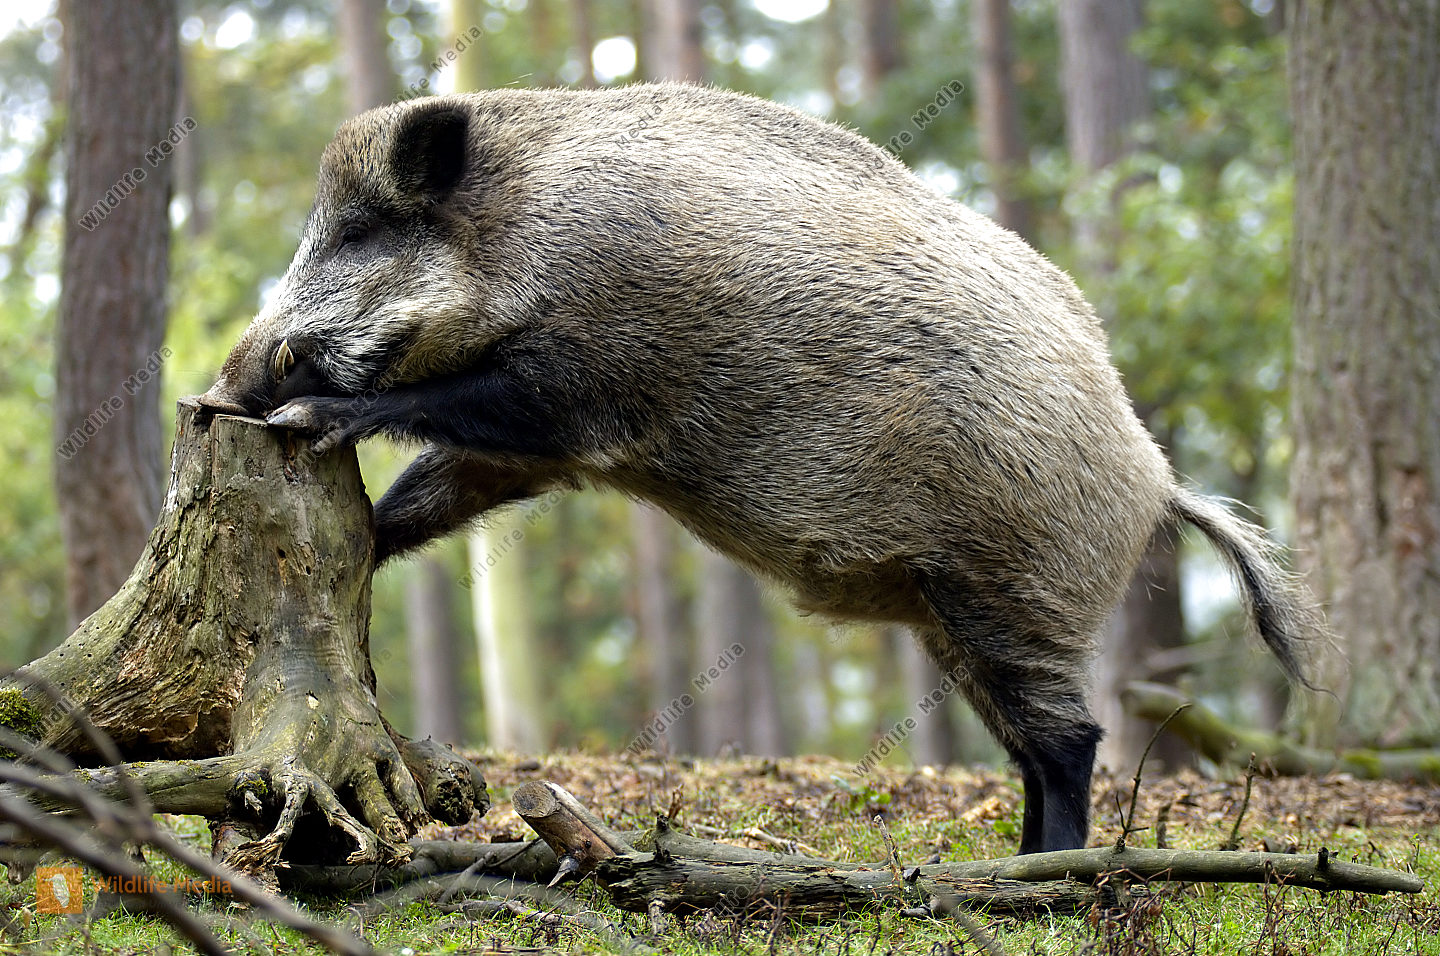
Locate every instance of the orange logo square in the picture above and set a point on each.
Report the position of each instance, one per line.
(58, 889)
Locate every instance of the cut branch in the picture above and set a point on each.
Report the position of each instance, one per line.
(578, 837)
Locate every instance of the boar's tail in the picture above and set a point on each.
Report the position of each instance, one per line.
(1280, 606)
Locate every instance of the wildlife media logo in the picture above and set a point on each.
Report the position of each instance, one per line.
(61, 889)
(58, 889)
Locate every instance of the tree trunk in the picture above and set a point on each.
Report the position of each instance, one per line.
(1365, 91)
(500, 593)
(734, 682)
(1106, 89)
(880, 53)
(582, 25)
(369, 77)
(543, 48)
(471, 70)
(729, 611)
(835, 57)
(434, 642)
(673, 44)
(934, 741)
(235, 662)
(660, 617)
(1105, 95)
(123, 61)
(432, 634)
(764, 718)
(723, 591)
(997, 109)
(504, 636)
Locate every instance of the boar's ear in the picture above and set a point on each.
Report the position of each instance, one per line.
(430, 150)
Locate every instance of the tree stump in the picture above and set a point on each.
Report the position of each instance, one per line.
(235, 662)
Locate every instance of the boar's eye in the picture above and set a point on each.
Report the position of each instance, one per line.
(353, 234)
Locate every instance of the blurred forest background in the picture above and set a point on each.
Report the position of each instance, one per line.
(1147, 148)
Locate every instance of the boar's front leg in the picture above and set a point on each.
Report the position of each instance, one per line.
(443, 490)
(485, 410)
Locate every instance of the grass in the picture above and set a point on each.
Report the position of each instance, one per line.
(957, 814)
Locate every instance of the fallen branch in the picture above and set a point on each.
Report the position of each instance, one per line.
(688, 875)
(1225, 743)
(642, 881)
(671, 871)
(1064, 881)
(532, 861)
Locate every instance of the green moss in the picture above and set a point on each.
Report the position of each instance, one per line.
(1364, 764)
(20, 716)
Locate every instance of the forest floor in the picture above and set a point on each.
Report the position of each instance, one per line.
(819, 806)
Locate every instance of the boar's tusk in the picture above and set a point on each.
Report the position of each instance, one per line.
(284, 361)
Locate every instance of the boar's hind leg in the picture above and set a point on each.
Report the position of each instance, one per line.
(443, 490)
(1030, 692)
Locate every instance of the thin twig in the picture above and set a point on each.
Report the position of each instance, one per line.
(892, 852)
(1233, 842)
(1127, 822)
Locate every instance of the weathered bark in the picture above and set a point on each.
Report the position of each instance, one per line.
(580, 840)
(638, 882)
(532, 861)
(688, 875)
(1365, 95)
(1021, 885)
(668, 870)
(123, 61)
(1225, 743)
(235, 659)
(997, 110)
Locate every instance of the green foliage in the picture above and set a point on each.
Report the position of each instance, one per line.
(864, 797)
(1197, 302)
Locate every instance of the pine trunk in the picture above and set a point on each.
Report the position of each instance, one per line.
(997, 108)
(370, 80)
(1365, 91)
(660, 616)
(123, 60)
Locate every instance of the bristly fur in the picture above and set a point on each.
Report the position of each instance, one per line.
(861, 390)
